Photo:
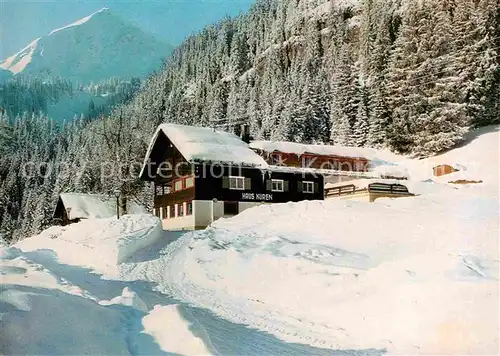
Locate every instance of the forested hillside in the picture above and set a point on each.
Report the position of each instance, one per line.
(413, 76)
(62, 100)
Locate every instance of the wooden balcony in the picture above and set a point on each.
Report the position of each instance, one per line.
(372, 192)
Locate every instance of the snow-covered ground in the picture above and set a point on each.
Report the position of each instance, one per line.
(412, 275)
(61, 294)
(415, 275)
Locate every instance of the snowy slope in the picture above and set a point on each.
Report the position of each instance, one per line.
(413, 276)
(101, 45)
(60, 294)
(48, 308)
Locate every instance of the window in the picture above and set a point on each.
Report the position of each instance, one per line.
(277, 185)
(237, 183)
(276, 158)
(359, 166)
(334, 164)
(307, 161)
(308, 187)
(165, 213)
(346, 166)
(172, 211)
(181, 209)
(189, 182)
(189, 208)
(178, 185)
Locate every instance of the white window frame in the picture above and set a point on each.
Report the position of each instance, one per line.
(189, 180)
(237, 179)
(308, 184)
(175, 185)
(277, 181)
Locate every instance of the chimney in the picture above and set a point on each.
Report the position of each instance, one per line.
(245, 133)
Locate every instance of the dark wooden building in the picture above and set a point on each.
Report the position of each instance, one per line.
(325, 157)
(201, 174)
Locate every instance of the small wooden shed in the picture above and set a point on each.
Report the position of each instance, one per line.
(443, 169)
(73, 207)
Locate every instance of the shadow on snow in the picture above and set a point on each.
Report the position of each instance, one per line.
(219, 335)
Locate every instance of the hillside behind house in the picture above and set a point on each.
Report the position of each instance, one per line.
(412, 76)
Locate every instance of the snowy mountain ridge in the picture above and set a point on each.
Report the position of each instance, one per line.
(78, 22)
(98, 46)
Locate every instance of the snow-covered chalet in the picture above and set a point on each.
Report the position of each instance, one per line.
(201, 174)
(73, 207)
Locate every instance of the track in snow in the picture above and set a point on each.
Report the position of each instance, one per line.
(221, 337)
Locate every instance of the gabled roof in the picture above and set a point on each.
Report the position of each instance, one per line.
(203, 144)
(320, 150)
(93, 206)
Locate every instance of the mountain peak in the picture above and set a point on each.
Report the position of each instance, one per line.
(79, 22)
(100, 45)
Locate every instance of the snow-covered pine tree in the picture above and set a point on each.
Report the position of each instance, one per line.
(404, 96)
(361, 125)
(344, 102)
(443, 117)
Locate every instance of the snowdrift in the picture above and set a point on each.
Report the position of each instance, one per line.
(51, 305)
(100, 244)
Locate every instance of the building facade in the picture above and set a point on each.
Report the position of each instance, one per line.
(325, 157)
(201, 175)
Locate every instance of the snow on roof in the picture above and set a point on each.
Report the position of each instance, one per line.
(326, 150)
(94, 206)
(202, 144)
